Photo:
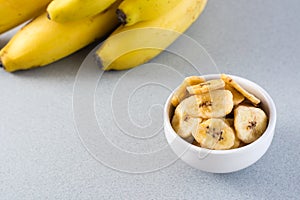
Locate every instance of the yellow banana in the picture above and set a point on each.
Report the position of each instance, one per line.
(15, 12)
(44, 41)
(133, 11)
(70, 10)
(130, 46)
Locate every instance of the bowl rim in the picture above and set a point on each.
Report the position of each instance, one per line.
(272, 117)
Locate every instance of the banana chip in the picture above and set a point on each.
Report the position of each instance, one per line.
(184, 125)
(237, 97)
(215, 134)
(215, 104)
(249, 122)
(181, 93)
(205, 87)
(236, 86)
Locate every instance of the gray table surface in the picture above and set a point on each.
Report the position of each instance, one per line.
(43, 157)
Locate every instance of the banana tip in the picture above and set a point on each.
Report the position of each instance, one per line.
(99, 62)
(48, 16)
(121, 16)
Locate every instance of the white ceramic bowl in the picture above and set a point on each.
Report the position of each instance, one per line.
(223, 161)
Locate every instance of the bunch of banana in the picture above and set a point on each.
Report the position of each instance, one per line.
(61, 27)
(43, 41)
(130, 46)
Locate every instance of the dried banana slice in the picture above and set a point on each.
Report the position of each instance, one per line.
(249, 122)
(181, 93)
(215, 134)
(206, 86)
(215, 104)
(190, 106)
(237, 97)
(235, 85)
(194, 80)
(184, 124)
